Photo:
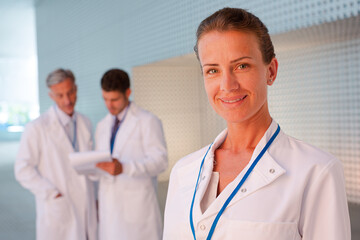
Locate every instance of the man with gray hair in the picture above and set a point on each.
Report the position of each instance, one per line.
(65, 204)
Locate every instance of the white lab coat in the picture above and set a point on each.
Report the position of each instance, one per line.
(128, 204)
(296, 191)
(42, 166)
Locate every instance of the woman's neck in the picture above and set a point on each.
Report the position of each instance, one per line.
(244, 136)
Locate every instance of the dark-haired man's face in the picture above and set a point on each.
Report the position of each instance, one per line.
(116, 101)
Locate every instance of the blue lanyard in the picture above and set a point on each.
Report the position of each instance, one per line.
(234, 191)
(74, 139)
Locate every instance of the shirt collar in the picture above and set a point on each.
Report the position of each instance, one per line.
(63, 117)
(121, 115)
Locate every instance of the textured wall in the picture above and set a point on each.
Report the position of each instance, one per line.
(92, 36)
(172, 93)
(315, 98)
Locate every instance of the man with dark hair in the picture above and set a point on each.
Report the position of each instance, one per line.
(128, 205)
(65, 201)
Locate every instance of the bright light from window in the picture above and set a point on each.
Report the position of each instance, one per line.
(15, 128)
(18, 70)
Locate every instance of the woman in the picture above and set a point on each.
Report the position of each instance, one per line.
(253, 182)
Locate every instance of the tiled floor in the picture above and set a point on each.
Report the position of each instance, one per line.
(17, 206)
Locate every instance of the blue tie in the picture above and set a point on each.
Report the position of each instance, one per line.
(113, 133)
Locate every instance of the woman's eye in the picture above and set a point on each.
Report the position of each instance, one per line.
(242, 66)
(211, 71)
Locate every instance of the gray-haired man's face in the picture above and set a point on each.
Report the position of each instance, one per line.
(64, 95)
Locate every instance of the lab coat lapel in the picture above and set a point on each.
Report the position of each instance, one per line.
(202, 184)
(82, 134)
(58, 133)
(265, 172)
(206, 174)
(82, 137)
(187, 176)
(106, 127)
(125, 130)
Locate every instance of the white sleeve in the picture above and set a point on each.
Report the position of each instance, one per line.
(96, 176)
(27, 160)
(97, 137)
(325, 213)
(170, 207)
(155, 160)
(89, 127)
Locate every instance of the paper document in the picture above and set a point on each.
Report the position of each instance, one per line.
(85, 162)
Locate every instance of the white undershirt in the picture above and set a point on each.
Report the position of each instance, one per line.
(121, 115)
(68, 123)
(211, 192)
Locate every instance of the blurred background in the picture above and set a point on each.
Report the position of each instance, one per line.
(316, 96)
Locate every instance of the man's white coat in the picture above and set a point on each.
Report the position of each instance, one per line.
(43, 167)
(128, 204)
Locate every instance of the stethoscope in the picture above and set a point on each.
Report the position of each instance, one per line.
(248, 172)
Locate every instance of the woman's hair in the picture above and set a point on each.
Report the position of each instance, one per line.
(239, 20)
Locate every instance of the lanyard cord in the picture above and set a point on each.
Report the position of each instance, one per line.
(192, 202)
(212, 229)
(74, 139)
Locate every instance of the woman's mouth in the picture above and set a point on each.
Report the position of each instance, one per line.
(233, 100)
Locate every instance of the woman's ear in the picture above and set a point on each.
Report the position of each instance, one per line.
(272, 71)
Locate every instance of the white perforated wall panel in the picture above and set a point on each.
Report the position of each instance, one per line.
(172, 93)
(316, 96)
(173, 90)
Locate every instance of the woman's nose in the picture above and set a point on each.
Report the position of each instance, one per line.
(229, 82)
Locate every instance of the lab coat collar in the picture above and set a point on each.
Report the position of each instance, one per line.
(121, 115)
(266, 171)
(63, 117)
(58, 132)
(82, 133)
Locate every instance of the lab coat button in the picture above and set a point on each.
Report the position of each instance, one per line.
(243, 190)
(272, 170)
(202, 227)
(203, 178)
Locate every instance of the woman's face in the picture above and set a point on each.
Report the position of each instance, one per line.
(235, 75)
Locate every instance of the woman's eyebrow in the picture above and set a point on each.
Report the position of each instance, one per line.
(239, 59)
(210, 64)
(232, 61)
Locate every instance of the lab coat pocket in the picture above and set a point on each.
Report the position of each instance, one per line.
(58, 210)
(134, 205)
(262, 230)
